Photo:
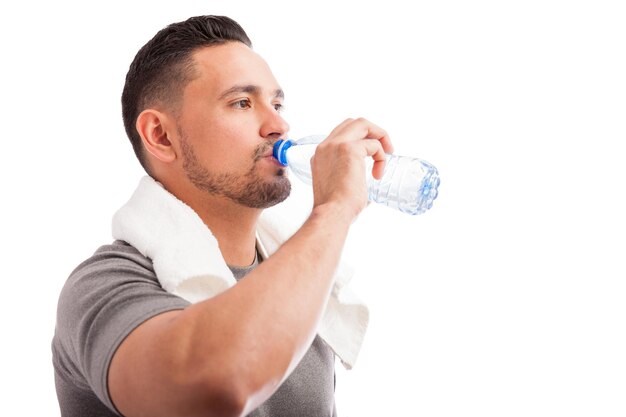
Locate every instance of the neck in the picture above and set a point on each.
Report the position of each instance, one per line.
(233, 225)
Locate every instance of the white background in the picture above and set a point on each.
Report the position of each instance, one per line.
(506, 299)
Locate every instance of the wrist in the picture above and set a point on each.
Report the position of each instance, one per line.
(337, 215)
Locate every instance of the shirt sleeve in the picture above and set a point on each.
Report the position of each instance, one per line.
(102, 302)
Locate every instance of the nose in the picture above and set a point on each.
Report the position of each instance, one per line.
(273, 125)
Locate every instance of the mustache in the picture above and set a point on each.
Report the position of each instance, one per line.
(261, 150)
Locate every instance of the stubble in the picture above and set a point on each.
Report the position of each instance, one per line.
(249, 189)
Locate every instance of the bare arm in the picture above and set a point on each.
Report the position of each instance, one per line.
(220, 357)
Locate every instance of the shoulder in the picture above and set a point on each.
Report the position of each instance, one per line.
(102, 301)
(116, 285)
(115, 273)
(118, 253)
(110, 266)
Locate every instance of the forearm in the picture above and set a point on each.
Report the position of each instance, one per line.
(232, 351)
(275, 309)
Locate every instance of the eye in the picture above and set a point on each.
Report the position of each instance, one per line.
(242, 104)
(279, 107)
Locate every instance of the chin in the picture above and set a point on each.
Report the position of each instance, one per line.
(265, 194)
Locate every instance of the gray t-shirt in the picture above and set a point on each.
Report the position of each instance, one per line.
(113, 292)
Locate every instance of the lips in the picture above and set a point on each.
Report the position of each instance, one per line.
(269, 152)
(270, 158)
(266, 150)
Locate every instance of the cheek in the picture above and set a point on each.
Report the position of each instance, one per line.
(210, 137)
(222, 141)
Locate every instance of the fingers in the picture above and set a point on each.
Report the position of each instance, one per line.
(375, 149)
(351, 129)
(339, 161)
(376, 141)
(371, 131)
(340, 127)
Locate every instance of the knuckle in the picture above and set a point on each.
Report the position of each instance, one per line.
(321, 148)
(344, 148)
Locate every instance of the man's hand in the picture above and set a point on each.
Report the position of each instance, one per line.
(338, 165)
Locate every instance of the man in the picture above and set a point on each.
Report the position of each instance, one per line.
(202, 111)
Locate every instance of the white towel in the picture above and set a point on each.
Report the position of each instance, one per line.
(188, 262)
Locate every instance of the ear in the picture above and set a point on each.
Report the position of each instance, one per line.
(152, 126)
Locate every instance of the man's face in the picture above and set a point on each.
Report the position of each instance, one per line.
(228, 122)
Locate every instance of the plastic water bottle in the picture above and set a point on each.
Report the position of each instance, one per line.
(408, 184)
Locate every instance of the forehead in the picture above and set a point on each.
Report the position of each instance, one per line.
(221, 67)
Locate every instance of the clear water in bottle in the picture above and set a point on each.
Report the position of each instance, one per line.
(408, 184)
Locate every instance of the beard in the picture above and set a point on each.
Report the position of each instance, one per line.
(249, 189)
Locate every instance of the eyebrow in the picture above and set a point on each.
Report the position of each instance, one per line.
(250, 89)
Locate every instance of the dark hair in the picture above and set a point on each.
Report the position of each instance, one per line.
(163, 67)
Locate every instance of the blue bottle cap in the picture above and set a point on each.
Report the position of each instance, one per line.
(280, 150)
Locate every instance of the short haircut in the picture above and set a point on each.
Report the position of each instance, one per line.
(164, 66)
